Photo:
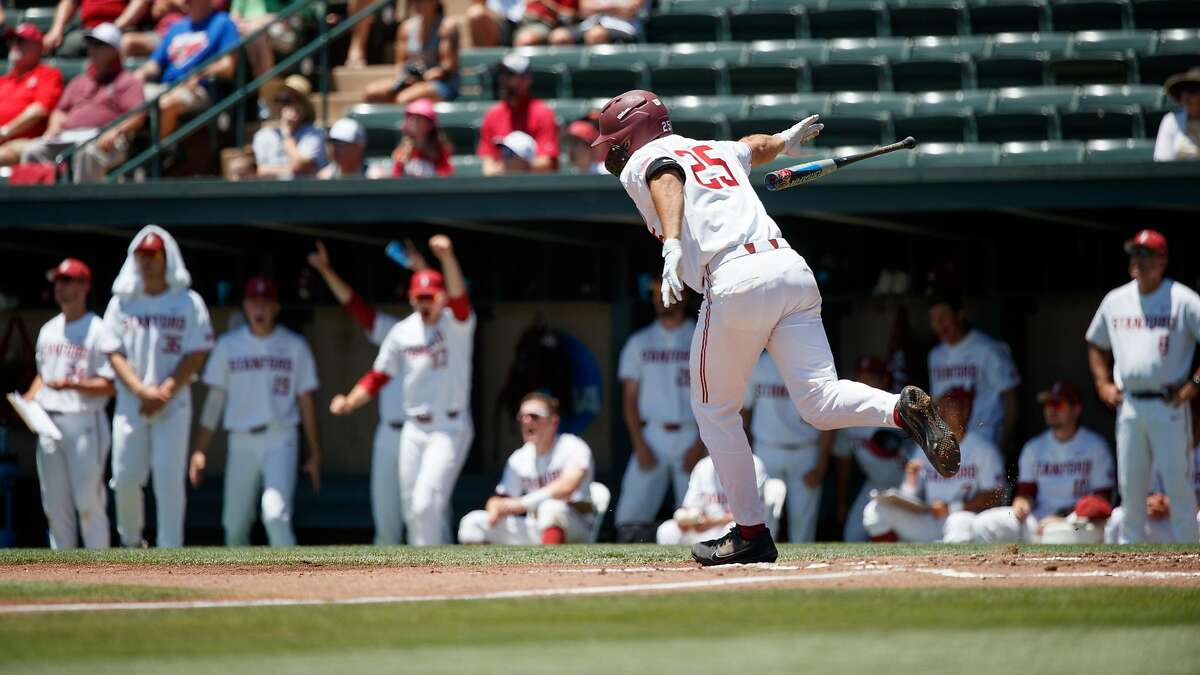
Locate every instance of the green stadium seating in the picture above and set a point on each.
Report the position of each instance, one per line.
(729, 106)
(928, 17)
(768, 20)
(1119, 151)
(1152, 118)
(68, 67)
(1091, 68)
(862, 119)
(1107, 96)
(857, 103)
(1024, 99)
(461, 123)
(1024, 44)
(699, 26)
(1177, 51)
(892, 160)
(955, 155)
(935, 47)
(1073, 15)
(778, 66)
(866, 75)
(938, 102)
(1158, 14)
(42, 17)
(1103, 41)
(771, 113)
(697, 69)
(568, 110)
(1093, 123)
(705, 117)
(932, 73)
(611, 69)
(945, 117)
(1008, 16)
(865, 49)
(848, 18)
(467, 165)
(1041, 153)
(1021, 113)
(1011, 71)
(382, 124)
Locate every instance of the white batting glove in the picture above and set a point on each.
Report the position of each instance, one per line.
(804, 131)
(672, 287)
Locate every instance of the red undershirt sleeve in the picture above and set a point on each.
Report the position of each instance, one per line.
(461, 307)
(373, 381)
(1028, 490)
(362, 311)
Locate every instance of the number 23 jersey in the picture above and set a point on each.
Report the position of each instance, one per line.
(721, 209)
(261, 376)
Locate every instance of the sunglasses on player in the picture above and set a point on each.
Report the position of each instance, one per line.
(532, 416)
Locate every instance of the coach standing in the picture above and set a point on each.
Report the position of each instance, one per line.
(1140, 347)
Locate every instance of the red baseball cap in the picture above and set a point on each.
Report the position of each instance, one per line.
(261, 287)
(70, 268)
(583, 130)
(871, 364)
(1093, 507)
(426, 283)
(151, 242)
(1060, 391)
(1148, 239)
(25, 31)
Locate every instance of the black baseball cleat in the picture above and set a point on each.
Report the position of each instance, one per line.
(920, 419)
(732, 549)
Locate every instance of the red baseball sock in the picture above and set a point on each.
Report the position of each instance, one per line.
(752, 531)
(886, 537)
(553, 535)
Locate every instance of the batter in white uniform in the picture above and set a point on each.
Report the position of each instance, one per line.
(430, 350)
(697, 199)
(653, 369)
(790, 448)
(1140, 348)
(261, 377)
(544, 496)
(157, 335)
(73, 385)
(705, 512)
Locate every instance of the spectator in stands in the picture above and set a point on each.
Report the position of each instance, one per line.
(604, 22)
(518, 151)
(28, 92)
(584, 158)
(429, 42)
(493, 22)
(241, 167)
(93, 99)
(349, 141)
(544, 17)
(163, 14)
(294, 147)
(124, 14)
(518, 111)
(189, 42)
(1179, 132)
(424, 150)
(252, 15)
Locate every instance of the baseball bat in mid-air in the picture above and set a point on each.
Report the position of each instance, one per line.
(810, 171)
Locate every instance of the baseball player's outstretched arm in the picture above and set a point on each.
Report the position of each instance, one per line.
(362, 393)
(1100, 363)
(308, 421)
(319, 260)
(765, 148)
(443, 250)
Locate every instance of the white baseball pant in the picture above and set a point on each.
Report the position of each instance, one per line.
(999, 526)
(261, 469)
(1154, 531)
(768, 299)
(475, 529)
(642, 490)
(71, 476)
(385, 486)
(1152, 435)
(431, 457)
(854, 530)
(669, 534)
(790, 465)
(145, 447)
(880, 519)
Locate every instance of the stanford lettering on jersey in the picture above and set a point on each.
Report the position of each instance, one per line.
(1151, 322)
(530, 484)
(664, 356)
(966, 472)
(719, 499)
(435, 341)
(1083, 467)
(959, 371)
(244, 363)
(162, 321)
(65, 349)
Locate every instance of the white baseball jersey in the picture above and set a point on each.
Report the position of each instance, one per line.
(880, 453)
(984, 367)
(391, 397)
(721, 209)
(658, 359)
(1064, 472)
(433, 361)
(981, 470)
(526, 471)
(154, 332)
(71, 351)
(261, 376)
(1152, 337)
(705, 492)
(775, 420)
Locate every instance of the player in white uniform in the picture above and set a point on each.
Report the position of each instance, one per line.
(696, 198)
(1056, 468)
(157, 335)
(653, 369)
(261, 377)
(73, 384)
(544, 496)
(790, 448)
(982, 365)
(705, 512)
(1157, 529)
(386, 506)
(1140, 348)
(430, 350)
(879, 453)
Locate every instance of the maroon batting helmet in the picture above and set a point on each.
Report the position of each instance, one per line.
(632, 120)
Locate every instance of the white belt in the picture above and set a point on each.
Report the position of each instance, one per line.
(741, 250)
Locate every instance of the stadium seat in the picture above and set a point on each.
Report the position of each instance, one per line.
(1106, 96)
(1091, 68)
(955, 155)
(857, 103)
(568, 110)
(935, 47)
(699, 26)
(610, 69)
(862, 118)
(1023, 114)
(42, 17)
(550, 67)
(771, 113)
(948, 126)
(775, 66)
(382, 124)
(460, 122)
(1152, 119)
(1074, 15)
(850, 76)
(865, 49)
(1128, 42)
(1177, 51)
(1159, 14)
(1011, 71)
(1008, 16)
(928, 17)
(1090, 123)
(705, 116)
(1024, 44)
(467, 165)
(932, 74)
(1041, 153)
(697, 69)
(934, 102)
(847, 18)
(1119, 151)
(1022, 99)
(768, 20)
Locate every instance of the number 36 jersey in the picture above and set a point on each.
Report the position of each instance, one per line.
(262, 377)
(721, 209)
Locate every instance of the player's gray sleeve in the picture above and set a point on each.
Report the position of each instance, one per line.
(200, 332)
(1027, 464)
(214, 405)
(307, 375)
(110, 340)
(1097, 332)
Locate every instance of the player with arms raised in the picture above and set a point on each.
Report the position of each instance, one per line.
(696, 198)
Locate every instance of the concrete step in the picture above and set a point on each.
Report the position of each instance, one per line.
(339, 103)
(356, 79)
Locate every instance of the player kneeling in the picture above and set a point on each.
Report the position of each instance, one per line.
(545, 493)
(705, 511)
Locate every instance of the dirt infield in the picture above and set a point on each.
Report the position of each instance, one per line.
(1004, 568)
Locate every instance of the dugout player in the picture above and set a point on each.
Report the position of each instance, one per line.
(696, 198)
(261, 377)
(157, 335)
(544, 496)
(705, 512)
(1140, 348)
(73, 385)
(430, 350)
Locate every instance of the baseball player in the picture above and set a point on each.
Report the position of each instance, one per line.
(696, 198)
(968, 359)
(386, 508)
(790, 448)
(544, 496)
(705, 512)
(430, 350)
(157, 335)
(73, 384)
(1140, 348)
(879, 453)
(1157, 529)
(1056, 468)
(261, 377)
(653, 369)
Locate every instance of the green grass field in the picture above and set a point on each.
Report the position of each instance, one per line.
(979, 630)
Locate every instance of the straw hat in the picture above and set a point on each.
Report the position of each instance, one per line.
(299, 87)
(1176, 82)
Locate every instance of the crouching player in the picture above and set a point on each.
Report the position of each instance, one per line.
(705, 512)
(545, 493)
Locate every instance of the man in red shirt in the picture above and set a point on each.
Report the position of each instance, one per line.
(124, 14)
(517, 111)
(28, 92)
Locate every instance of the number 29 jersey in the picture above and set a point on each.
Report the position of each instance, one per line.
(721, 209)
